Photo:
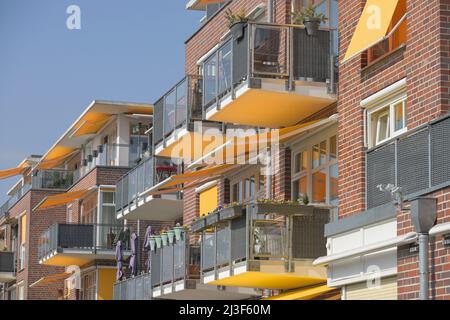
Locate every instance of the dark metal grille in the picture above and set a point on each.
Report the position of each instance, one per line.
(413, 168)
(6, 261)
(156, 267)
(311, 55)
(308, 241)
(238, 238)
(440, 151)
(380, 171)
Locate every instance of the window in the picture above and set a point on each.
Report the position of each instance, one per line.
(397, 31)
(247, 187)
(386, 122)
(315, 171)
(20, 291)
(88, 286)
(236, 195)
(23, 240)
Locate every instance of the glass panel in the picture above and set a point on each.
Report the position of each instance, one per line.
(209, 79)
(169, 113)
(334, 175)
(225, 69)
(333, 148)
(236, 195)
(383, 127)
(252, 187)
(323, 152)
(182, 99)
(108, 197)
(399, 116)
(300, 188)
(301, 161)
(319, 182)
(268, 58)
(316, 156)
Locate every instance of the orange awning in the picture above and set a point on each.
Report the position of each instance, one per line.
(50, 279)
(53, 163)
(91, 123)
(4, 174)
(303, 293)
(62, 199)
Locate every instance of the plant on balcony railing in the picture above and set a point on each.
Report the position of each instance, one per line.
(266, 206)
(166, 237)
(309, 18)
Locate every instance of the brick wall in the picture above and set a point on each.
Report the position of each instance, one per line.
(37, 223)
(425, 63)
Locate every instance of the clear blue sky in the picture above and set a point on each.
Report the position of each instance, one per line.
(126, 51)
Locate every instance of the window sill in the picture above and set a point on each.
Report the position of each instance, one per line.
(383, 57)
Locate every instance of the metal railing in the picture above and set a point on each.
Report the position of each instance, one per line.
(169, 264)
(7, 260)
(13, 199)
(83, 237)
(417, 162)
(53, 179)
(177, 107)
(132, 184)
(257, 237)
(268, 51)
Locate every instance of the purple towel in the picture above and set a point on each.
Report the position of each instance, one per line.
(133, 259)
(119, 257)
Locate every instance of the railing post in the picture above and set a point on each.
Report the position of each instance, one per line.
(216, 270)
(217, 80)
(290, 58)
(231, 248)
(94, 243)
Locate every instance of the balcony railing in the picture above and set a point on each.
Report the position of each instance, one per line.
(7, 262)
(417, 161)
(135, 182)
(170, 264)
(177, 107)
(81, 237)
(261, 234)
(268, 51)
(53, 179)
(14, 198)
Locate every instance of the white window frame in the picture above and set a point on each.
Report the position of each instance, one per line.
(308, 146)
(390, 110)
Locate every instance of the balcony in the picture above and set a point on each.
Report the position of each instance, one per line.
(175, 275)
(416, 161)
(264, 246)
(78, 244)
(13, 199)
(7, 267)
(178, 126)
(276, 72)
(133, 203)
(53, 179)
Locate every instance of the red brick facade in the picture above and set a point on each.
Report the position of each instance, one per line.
(425, 64)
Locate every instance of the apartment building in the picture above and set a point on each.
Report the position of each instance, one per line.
(393, 158)
(246, 235)
(60, 224)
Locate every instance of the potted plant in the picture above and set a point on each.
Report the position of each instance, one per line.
(158, 241)
(152, 243)
(236, 23)
(164, 238)
(198, 224)
(178, 230)
(310, 19)
(231, 211)
(171, 236)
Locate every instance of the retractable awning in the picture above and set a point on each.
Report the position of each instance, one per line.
(303, 294)
(373, 26)
(194, 178)
(91, 123)
(57, 157)
(8, 173)
(50, 279)
(62, 199)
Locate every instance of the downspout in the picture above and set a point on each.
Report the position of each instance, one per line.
(270, 9)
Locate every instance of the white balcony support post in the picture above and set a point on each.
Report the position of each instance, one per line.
(123, 139)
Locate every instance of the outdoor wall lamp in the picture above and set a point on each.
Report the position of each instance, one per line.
(423, 216)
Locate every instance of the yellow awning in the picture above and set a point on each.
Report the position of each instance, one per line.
(50, 279)
(62, 199)
(4, 174)
(91, 123)
(208, 200)
(53, 163)
(303, 294)
(372, 27)
(265, 280)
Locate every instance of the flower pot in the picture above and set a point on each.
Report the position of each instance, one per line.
(178, 231)
(158, 242)
(171, 236)
(152, 243)
(231, 212)
(198, 225)
(212, 219)
(164, 238)
(237, 30)
(312, 26)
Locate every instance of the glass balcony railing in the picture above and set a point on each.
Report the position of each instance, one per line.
(135, 182)
(14, 198)
(177, 108)
(53, 179)
(268, 51)
(417, 162)
(263, 232)
(169, 264)
(81, 237)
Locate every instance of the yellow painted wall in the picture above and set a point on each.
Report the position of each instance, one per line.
(23, 227)
(208, 200)
(106, 280)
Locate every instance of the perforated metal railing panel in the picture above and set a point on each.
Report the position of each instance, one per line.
(440, 152)
(311, 55)
(238, 238)
(308, 241)
(413, 159)
(158, 121)
(380, 170)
